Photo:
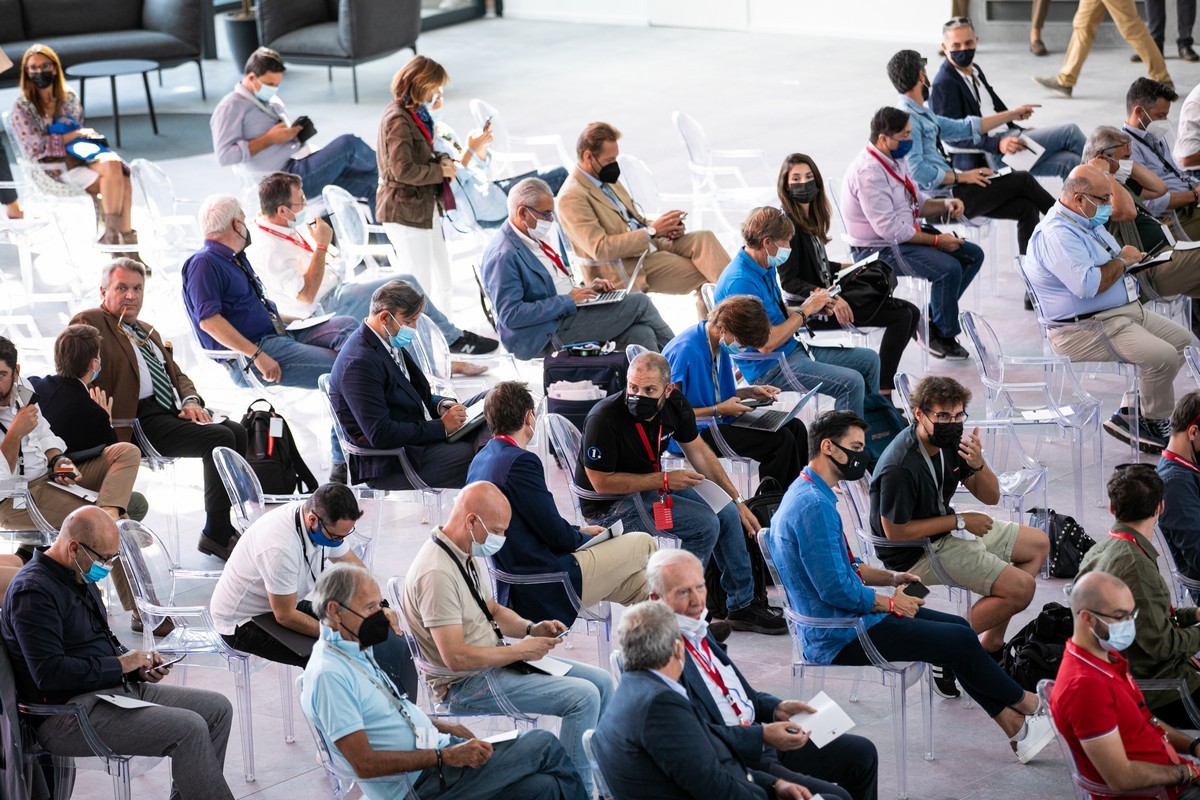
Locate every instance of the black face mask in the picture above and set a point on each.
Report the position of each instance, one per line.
(924, 91)
(803, 192)
(641, 408)
(609, 173)
(855, 466)
(946, 434)
(962, 58)
(373, 630)
(42, 80)
(246, 236)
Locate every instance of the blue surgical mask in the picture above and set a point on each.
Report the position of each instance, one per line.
(301, 217)
(434, 114)
(265, 92)
(319, 538)
(901, 151)
(780, 257)
(96, 572)
(731, 349)
(95, 375)
(1103, 212)
(491, 544)
(402, 337)
(1120, 635)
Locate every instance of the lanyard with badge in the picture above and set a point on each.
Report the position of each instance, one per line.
(302, 532)
(908, 185)
(1131, 283)
(471, 577)
(708, 665)
(938, 473)
(663, 518)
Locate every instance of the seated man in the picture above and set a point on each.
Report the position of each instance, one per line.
(251, 126)
(1168, 637)
(142, 380)
(1078, 272)
(1187, 144)
(459, 627)
(598, 216)
(703, 371)
(306, 279)
(755, 723)
(960, 90)
(849, 374)
(534, 293)
(808, 544)
(539, 540)
(654, 743)
(353, 704)
(62, 651)
(881, 205)
(620, 454)
(911, 490)
(1016, 196)
(1180, 472)
(1147, 104)
(383, 401)
(1098, 708)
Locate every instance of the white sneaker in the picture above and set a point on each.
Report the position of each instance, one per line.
(1034, 735)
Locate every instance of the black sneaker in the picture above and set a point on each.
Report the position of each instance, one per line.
(936, 345)
(757, 619)
(720, 629)
(471, 344)
(339, 473)
(943, 681)
(1150, 438)
(952, 349)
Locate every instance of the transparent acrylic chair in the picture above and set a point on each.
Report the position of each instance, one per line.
(720, 188)
(174, 232)
(157, 463)
(148, 566)
(1185, 589)
(598, 779)
(432, 354)
(353, 227)
(899, 676)
(1191, 355)
(504, 150)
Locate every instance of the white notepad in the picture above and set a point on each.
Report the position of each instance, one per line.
(551, 665)
(123, 701)
(828, 723)
(611, 532)
(1024, 159)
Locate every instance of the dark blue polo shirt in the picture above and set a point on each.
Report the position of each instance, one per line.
(213, 283)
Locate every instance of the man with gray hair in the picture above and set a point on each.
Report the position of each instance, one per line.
(372, 728)
(653, 743)
(536, 297)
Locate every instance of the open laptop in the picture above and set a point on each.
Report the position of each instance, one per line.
(771, 421)
(617, 295)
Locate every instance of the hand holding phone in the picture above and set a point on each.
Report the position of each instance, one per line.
(917, 590)
(166, 665)
(562, 633)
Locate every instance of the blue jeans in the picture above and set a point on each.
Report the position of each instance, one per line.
(702, 533)
(949, 275)
(848, 374)
(533, 766)
(1064, 150)
(347, 161)
(354, 300)
(578, 698)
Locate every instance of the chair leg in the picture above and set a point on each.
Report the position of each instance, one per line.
(200, 70)
(354, 80)
(120, 776)
(285, 699)
(245, 710)
(927, 712)
(900, 732)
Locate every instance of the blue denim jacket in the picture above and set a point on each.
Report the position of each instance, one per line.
(926, 165)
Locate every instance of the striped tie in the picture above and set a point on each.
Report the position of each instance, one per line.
(164, 393)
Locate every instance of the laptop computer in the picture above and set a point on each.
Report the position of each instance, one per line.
(771, 421)
(617, 295)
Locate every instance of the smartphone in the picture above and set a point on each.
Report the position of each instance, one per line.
(561, 635)
(172, 662)
(917, 590)
(487, 124)
(27, 396)
(759, 403)
(836, 290)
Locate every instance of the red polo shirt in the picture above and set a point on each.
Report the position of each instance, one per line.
(1094, 697)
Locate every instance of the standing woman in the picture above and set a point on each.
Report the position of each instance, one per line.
(412, 176)
(47, 118)
(802, 196)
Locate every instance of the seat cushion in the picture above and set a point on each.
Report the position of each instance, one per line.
(117, 44)
(315, 40)
(14, 22)
(64, 17)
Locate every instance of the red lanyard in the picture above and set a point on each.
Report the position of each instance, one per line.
(652, 454)
(1128, 537)
(1183, 462)
(301, 243)
(849, 551)
(906, 181)
(553, 256)
(421, 126)
(509, 439)
(705, 663)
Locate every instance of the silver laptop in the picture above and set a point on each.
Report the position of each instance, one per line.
(617, 295)
(771, 421)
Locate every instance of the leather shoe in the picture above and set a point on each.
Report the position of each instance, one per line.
(1188, 54)
(1135, 58)
(1038, 47)
(135, 624)
(211, 547)
(720, 629)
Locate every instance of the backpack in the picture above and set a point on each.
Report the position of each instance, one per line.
(275, 459)
(1068, 542)
(1035, 652)
(763, 505)
(884, 424)
(580, 363)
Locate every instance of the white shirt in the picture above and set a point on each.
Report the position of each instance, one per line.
(146, 383)
(274, 556)
(33, 446)
(1188, 141)
(736, 689)
(399, 359)
(281, 264)
(562, 282)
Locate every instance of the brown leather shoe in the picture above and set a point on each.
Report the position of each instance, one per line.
(1038, 47)
(211, 547)
(135, 624)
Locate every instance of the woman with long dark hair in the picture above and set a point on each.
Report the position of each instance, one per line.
(802, 196)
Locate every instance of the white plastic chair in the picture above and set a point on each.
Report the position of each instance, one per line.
(156, 462)
(1186, 589)
(598, 779)
(720, 189)
(432, 353)
(174, 231)
(353, 227)
(504, 149)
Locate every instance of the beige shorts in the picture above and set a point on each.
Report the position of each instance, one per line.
(974, 563)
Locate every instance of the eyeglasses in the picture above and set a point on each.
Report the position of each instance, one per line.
(1104, 199)
(900, 137)
(942, 416)
(101, 559)
(1120, 616)
(130, 334)
(547, 216)
(49, 68)
(954, 21)
(327, 529)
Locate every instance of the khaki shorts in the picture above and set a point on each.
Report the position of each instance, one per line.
(974, 563)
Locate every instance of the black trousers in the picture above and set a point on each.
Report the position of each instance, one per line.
(780, 455)
(6, 195)
(1156, 20)
(182, 438)
(846, 769)
(899, 320)
(1016, 196)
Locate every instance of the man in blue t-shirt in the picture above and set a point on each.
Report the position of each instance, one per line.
(1181, 488)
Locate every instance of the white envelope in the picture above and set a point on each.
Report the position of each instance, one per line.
(828, 723)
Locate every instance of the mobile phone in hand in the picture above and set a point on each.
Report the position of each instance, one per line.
(171, 663)
(835, 291)
(916, 589)
(561, 635)
(759, 403)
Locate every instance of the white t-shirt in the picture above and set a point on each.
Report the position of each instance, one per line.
(1188, 141)
(280, 256)
(274, 556)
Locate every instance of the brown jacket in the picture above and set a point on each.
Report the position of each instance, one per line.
(596, 229)
(119, 375)
(410, 177)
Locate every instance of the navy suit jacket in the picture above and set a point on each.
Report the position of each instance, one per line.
(527, 308)
(379, 408)
(538, 538)
(950, 97)
(652, 744)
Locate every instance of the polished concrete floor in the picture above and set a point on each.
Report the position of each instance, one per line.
(778, 93)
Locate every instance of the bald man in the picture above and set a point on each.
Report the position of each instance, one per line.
(1114, 737)
(1083, 284)
(460, 627)
(62, 651)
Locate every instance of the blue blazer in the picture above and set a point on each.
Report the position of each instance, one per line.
(652, 744)
(538, 538)
(950, 97)
(527, 307)
(379, 408)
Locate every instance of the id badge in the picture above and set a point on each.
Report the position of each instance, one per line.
(427, 738)
(18, 499)
(275, 428)
(663, 519)
(1131, 287)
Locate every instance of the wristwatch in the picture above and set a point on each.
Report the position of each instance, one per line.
(650, 229)
(960, 522)
(739, 500)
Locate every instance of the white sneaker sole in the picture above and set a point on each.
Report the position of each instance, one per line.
(1031, 751)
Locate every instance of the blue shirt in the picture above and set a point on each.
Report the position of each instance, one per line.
(1150, 152)
(809, 546)
(745, 276)
(340, 699)
(927, 166)
(703, 380)
(1181, 501)
(1063, 266)
(213, 283)
(606, 190)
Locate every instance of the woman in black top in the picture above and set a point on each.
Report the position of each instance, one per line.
(802, 196)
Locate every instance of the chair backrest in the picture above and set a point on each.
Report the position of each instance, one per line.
(772, 567)
(597, 775)
(640, 182)
(242, 485)
(708, 292)
(693, 138)
(634, 350)
(904, 385)
(12, 756)
(1191, 355)
(147, 563)
(349, 220)
(431, 350)
(986, 345)
(152, 183)
(1185, 588)
(566, 440)
(481, 112)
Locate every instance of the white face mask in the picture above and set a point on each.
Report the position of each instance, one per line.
(540, 231)
(1160, 129)
(693, 628)
(1124, 168)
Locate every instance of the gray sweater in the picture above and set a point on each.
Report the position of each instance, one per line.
(240, 117)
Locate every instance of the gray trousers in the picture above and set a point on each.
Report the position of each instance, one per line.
(533, 766)
(634, 320)
(191, 726)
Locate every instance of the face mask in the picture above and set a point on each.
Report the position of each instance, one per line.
(301, 217)
(245, 236)
(96, 572)
(924, 91)
(540, 231)
(490, 546)
(265, 92)
(855, 466)
(434, 114)
(609, 173)
(42, 80)
(693, 628)
(402, 337)
(780, 257)
(641, 408)
(803, 192)
(1124, 168)
(730, 349)
(946, 434)
(373, 630)
(1103, 212)
(961, 58)
(902, 150)
(1120, 635)
(95, 375)
(1159, 129)
(319, 538)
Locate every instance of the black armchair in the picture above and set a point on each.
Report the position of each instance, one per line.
(338, 33)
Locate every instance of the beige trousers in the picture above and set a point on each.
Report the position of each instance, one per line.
(1083, 35)
(1180, 275)
(1139, 337)
(616, 570)
(677, 266)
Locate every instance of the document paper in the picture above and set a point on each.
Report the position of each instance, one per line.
(714, 495)
(828, 723)
(611, 532)
(1024, 159)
